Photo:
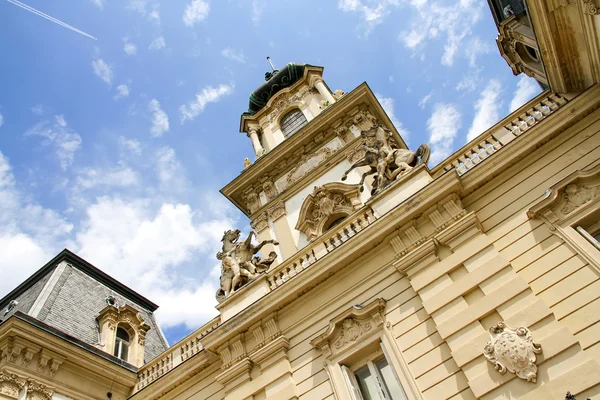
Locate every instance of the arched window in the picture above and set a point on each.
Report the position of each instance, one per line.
(292, 122)
(122, 343)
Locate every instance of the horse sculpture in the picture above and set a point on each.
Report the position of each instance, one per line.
(239, 265)
(387, 162)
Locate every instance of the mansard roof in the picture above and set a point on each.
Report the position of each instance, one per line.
(88, 269)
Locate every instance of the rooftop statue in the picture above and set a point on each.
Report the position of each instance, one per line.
(239, 264)
(385, 160)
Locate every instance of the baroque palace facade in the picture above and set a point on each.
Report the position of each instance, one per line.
(380, 278)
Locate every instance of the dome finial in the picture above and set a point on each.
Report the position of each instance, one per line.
(271, 63)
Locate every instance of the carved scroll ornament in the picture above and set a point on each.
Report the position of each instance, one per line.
(513, 350)
(11, 384)
(332, 200)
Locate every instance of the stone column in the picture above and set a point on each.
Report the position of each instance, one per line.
(260, 224)
(253, 135)
(282, 230)
(323, 91)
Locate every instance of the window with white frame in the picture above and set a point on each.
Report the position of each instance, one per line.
(591, 233)
(362, 358)
(376, 379)
(122, 343)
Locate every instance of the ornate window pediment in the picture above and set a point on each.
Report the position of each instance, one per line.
(325, 205)
(350, 327)
(569, 203)
(111, 319)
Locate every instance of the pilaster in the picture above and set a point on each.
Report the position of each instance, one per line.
(278, 215)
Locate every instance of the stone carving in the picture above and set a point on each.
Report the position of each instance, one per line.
(577, 195)
(327, 203)
(385, 160)
(260, 222)
(269, 189)
(11, 384)
(338, 94)
(307, 163)
(252, 201)
(37, 391)
(281, 104)
(513, 350)
(239, 265)
(350, 331)
(592, 7)
(344, 133)
(247, 162)
(324, 104)
(277, 210)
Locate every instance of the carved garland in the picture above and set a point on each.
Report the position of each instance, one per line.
(327, 202)
(11, 384)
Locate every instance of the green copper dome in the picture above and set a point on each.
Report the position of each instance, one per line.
(275, 81)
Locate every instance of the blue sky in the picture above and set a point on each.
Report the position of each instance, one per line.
(116, 148)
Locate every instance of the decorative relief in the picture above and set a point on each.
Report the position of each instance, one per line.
(277, 210)
(327, 202)
(11, 384)
(269, 189)
(37, 391)
(350, 326)
(308, 162)
(591, 7)
(575, 196)
(350, 331)
(344, 133)
(260, 222)
(281, 103)
(251, 199)
(338, 94)
(513, 350)
(575, 192)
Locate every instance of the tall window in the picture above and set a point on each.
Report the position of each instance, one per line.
(122, 343)
(292, 122)
(374, 381)
(591, 233)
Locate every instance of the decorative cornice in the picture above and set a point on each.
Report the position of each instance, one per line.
(277, 210)
(38, 391)
(261, 222)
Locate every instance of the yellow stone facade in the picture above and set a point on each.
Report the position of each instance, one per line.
(449, 274)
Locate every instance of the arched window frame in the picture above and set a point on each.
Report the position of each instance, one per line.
(122, 345)
(296, 111)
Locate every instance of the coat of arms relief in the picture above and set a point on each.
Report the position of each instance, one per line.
(513, 350)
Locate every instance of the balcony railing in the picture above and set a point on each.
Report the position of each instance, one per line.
(499, 136)
(322, 246)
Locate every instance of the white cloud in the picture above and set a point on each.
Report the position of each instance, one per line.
(195, 11)
(29, 233)
(169, 171)
(122, 92)
(98, 3)
(371, 15)
(257, 9)
(388, 106)
(1, 120)
(469, 82)
(157, 43)
(451, 23)
(208, 95)
(39, 109)
(475, 48)
(423, 102)
(120, 176)
(128, 47)
(59, 135)
(160, 119)
(142, 7)
(527, 88)
(231, 54)
(146, 247)
(443, 126)
(130, 145)
(103, 70)
(487, 109)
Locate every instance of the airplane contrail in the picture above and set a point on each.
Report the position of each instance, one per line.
(49, 18)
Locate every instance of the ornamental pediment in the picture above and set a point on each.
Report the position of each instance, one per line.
(567, 197)
(351, 326)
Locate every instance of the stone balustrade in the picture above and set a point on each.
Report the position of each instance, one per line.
(174, 356)
(328, 242)
(501, 134)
